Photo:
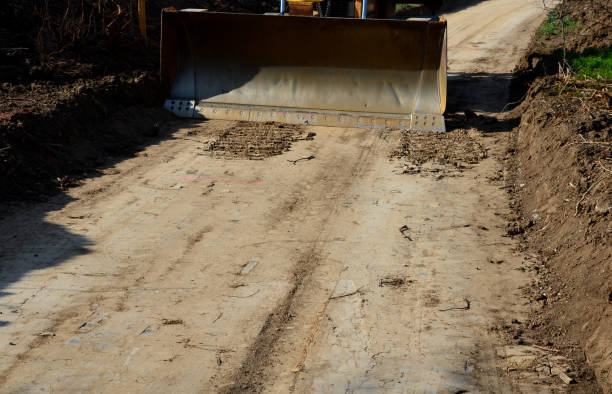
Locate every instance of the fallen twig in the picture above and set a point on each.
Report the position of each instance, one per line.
(246, 296)
(403, 231)
(546, 348)
(218, 317)
(595, 143)
(346, 294)
(587, 192)
(300, 159)
(602, 166)
(585, 141)
(587, 108)
(468, 305)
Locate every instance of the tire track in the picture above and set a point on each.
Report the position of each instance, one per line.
(257, 370)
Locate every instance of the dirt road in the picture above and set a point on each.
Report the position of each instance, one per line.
(485, 41)
(182, 271)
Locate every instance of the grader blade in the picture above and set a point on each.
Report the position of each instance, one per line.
(369, 73)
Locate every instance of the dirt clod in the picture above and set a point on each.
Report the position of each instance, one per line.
(256, 141)
(169, 322)
(393, 281)
(425, 152)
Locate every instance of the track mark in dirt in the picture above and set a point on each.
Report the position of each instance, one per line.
(251, 375)
(197, 236)
(269, 350)
(39, 340)
(431, 299)
(422, 151)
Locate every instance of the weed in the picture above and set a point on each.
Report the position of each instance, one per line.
(552, 27)
(595, 63)
(401, 6)
(78, 23)
(592, 63)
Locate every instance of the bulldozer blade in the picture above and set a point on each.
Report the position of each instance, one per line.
(369, 73)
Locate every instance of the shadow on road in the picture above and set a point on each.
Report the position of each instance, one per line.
(480, 92)
(482, 123)
(479, 101)
(43, 245)
(30, 243)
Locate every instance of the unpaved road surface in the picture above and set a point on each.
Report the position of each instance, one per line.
(183, 271)
(485, 42)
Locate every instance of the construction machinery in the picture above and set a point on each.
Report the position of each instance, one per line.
(331, 63)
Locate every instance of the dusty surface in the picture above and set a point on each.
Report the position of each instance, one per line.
(177, 256)
(327, 268)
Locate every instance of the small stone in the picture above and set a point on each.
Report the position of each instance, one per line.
(46, 334)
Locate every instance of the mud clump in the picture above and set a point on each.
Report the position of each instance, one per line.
(456, 150)
(172, 322)
(256, 141)
(393, 281)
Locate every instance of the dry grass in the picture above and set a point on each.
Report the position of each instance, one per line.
(77, 23)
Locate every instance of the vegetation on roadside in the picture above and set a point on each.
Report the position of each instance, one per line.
(401, 6)
(593, 63)
(565, 124)
(553, 27)
(573, 45)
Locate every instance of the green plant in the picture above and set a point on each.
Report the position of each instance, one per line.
(595, 63)
(552, 27)
(401, 6)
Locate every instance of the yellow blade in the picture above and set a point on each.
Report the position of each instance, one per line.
(323, 71)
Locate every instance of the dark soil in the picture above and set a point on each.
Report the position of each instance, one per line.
(248, 140)
(562, 196)
(78, 87)
(49, 148)
(426, 152)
